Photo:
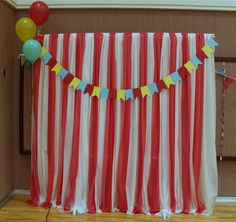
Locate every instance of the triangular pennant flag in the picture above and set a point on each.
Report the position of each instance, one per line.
(207, 50)
(112, 94)
(212, 43)
(145, 91)
(88, 89)
(121, 94)
(96, 91)
(129, 94)
(183, 72)
(69, 77)
(189, 66)
(175, 77)
(161, 85)
(43, 51)
(137, 93)
(195, 61)
(228, 82)
(75, 82)
(201, 55)
(82, 86)
(51, 63)
(46, 58)
(104, 93)
(222, 72)
(63, 73)
(168, 81)
(57, 68)
(152, 88)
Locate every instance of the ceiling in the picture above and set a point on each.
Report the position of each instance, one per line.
(219, 5)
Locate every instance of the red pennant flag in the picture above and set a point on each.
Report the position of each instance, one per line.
(161, 85)
(112, 94)
(201, 55)
(67, 80)
(183, 72)
(51, 63)
(137, 93)
(228, 82)
(88, 89)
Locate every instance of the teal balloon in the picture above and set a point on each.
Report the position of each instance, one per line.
(32, 50)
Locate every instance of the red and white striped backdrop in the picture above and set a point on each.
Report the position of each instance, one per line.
(154, 155)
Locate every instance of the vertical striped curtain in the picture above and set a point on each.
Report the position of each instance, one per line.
(154, 155)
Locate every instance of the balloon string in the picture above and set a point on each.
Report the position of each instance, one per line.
(222, 119)
(39, 30)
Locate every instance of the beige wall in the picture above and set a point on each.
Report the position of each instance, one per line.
(21, 163)
(223, 24)
(7, 21)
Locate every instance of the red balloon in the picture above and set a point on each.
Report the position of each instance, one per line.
(39, 12)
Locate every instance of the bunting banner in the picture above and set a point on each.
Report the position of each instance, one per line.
(125, 94)
(228, 79)
(227, 82)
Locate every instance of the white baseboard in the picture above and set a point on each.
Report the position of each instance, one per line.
(4, 200)
(226, 200)
(21, 192)
(218, 199)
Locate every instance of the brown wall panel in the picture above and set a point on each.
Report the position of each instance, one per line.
(227, 183)
(223, 24)
(7, 21)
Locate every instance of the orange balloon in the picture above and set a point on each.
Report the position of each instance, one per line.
(25, 29)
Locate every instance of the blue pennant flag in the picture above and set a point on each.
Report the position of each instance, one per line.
(152, 88)
(129, 94)
(212, 43)
(63, 73)
(222, 72)
(46, 58)
(82, 86)
(104, 93)
(175, 77)
(195, 60)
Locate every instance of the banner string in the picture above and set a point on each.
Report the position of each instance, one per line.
(222, 118)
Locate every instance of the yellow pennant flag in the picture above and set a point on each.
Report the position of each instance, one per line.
(189, 66)
(43, 51)
(145, 91)
(57, 68)
(168, 81)
(207, 50)
(121, 94)
(75, 82)
(96, 91)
